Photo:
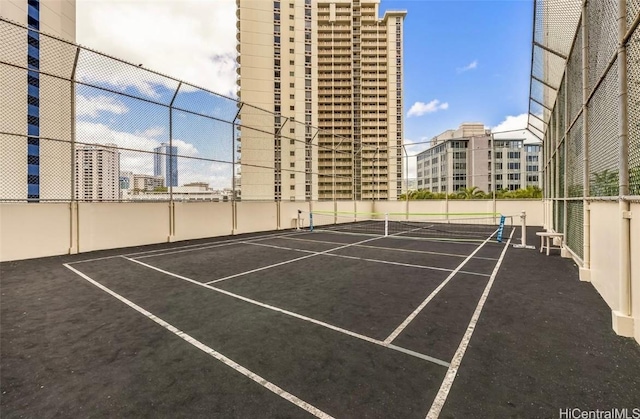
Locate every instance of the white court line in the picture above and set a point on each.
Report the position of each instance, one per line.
(386, 262)
(424, 239)
(188, 247)
(288, 261)
(417, 311)
(208, 350)
(395, 249)
(293, 314)
(441, 397)
(214, 245)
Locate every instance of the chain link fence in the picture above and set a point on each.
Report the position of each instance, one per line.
(97, 129)
(584, 118)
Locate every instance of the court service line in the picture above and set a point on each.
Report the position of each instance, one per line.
(417, 311)
(186, 247)
(210, 246)
(288, 261)
(395, 249)
(208, 350)
(441, 397)
(293, 314)
(386, 262)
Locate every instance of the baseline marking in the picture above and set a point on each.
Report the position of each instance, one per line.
(387, 262)
(208, 350)
(441, 397)
(288, 261)
(395, 249)
(293, 314)
(417, 311)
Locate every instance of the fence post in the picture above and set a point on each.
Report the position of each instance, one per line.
(622, 320)
(74, 233)
(172, 208)
(586, 212)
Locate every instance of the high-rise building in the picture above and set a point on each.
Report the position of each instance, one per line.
(165, 163)
(333, 65)
(41, 167)
(469, 157)
(97, 172)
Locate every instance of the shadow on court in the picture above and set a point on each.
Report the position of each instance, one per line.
(297, 326)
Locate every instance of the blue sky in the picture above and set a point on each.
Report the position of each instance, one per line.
(442, 41)
(464, 61)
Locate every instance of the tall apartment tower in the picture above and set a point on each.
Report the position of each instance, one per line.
(335, 68)
(97, 172)
(36, 106)
(165, 163)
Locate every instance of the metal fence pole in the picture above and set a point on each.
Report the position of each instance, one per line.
(586, 245)
(623, 138)
(172, 209)
(74, 233)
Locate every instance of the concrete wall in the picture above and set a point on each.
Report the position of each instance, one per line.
(635, 269)
(196, 220)
(605, 250)
(256, 216)
(47, 229)
(34, 230)
(112, 225)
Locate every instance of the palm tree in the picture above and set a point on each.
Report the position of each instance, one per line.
(470, 193)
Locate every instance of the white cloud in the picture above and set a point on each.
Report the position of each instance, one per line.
(421, 108)
(218, 175)
(514, 127)
(409, 159)
(92, 106)
(471, 66)
(192, 40)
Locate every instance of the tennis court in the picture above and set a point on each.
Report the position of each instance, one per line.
(295, 323)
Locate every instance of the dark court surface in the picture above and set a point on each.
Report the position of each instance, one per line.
(543, 341)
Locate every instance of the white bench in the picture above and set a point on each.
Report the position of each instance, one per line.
(547, 239)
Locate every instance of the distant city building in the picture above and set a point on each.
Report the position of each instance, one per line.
(143, 182)
(126, 181)
(202, 185)
(97, 172)
(34, 169)
(469, 157)
(165, 163)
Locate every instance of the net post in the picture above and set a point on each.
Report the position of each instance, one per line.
(299, 220)
(386, 224)
(523, 222)
(310, 221)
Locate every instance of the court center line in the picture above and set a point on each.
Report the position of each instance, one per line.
(208, 350)
(293, 314)
(395, 249)
(441, 397)
(386, 262)
(426, 301)
(288, 261)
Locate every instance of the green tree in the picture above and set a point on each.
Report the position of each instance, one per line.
(604, 183)
(470, 193)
